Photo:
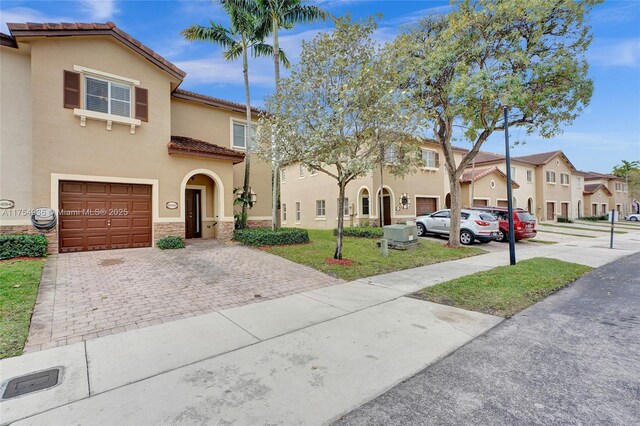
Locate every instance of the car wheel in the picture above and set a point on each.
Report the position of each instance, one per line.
(422, 231)
(634, 219)
(466, 237)
(502, 236)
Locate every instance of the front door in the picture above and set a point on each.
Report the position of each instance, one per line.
(551, 208)
(387, 210)
(193, 221)
(565, 210)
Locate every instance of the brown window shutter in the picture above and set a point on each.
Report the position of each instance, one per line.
(142, 104)
(71, 89)
(437, 159)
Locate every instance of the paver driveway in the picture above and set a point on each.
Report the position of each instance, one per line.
(91, 294)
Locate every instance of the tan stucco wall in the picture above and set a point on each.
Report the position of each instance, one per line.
(557, 192)
(15, 133)
(483, 190)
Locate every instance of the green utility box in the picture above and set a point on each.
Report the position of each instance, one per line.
(400, 236)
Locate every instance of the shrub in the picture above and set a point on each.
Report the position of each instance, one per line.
(564, 220)
(268, 237)
(361, 232)
(170, 242)
(22, 245)
(596, 218)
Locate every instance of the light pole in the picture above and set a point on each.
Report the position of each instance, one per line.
(512, 238)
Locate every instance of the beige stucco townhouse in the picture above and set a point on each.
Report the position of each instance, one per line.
(603, 193)
(94, 126)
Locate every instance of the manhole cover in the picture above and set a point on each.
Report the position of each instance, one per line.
(31, 383)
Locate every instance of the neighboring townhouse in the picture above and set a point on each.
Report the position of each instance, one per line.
(94, 126)
(603, 193)
(309, 199)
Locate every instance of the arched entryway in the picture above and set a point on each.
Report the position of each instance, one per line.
(447, 201)
(202, 203)
(530, 205)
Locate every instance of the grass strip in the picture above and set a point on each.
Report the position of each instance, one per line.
(566, 233)
(365, 256)
(582, 228)
(542, 241)
(505, 290)
(19, 281)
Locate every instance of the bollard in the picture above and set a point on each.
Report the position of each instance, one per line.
(384, 248)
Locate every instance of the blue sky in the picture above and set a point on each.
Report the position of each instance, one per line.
(607, 132)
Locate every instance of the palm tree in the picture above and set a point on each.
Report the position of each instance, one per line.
(284, 14)
(245, 34)
(276, 14)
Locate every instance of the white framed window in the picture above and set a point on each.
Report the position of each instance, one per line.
(390, 155)
(239, 134)
(284, 212)
(551, 176)
(345, 206)
(283, 175)
(513, 172)
(321, 208)
(107, 96)
(564, 179)
(303, 171)
(365, 206)
(298, 212)
(618, 186)
(624, 187)
(529, 175)
(579, 180)
(430, 158)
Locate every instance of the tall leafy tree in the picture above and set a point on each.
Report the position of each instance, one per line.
(245, 35)
(458, 66)
(332, 111)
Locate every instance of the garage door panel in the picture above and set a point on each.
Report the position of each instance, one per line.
(502, 203)
(90, 230)
(426, 205)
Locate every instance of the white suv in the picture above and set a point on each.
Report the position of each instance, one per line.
(474, 225)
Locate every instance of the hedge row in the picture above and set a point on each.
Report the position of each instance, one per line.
(170, 242)
(564, 220)
(22, 245)
(268, 237)
(596, 218)
(361, 232)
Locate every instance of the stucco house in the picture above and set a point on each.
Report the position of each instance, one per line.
(94, 126)
(604, 192)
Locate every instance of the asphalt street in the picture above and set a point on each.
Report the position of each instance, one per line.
(573, 358)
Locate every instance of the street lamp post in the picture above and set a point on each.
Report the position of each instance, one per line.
(512, 237)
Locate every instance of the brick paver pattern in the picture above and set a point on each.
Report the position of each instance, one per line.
(93, 294)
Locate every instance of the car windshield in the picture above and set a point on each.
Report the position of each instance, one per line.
(525, 217)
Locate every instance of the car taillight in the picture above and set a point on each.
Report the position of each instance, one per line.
(519, 226)
(483, 223)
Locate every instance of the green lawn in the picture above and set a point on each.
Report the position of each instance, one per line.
(583, 228)
(539, 241)
(566, 233)
(505, 290)
(19, 280)
(366, 256)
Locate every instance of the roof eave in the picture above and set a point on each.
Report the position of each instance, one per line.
(190, 153)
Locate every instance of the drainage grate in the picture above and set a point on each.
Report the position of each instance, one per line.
(31, 383)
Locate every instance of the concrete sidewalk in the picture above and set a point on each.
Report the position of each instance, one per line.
(302, 359)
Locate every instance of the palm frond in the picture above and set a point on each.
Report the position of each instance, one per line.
(266, 50)
(302, 13)
(216, 33)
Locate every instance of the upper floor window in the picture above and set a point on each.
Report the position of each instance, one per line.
(390, 155)
(240, 135)
(529, 175)
(579, 180)
(303, 171)
(564, 178)
(513, 172)
(283, 175)
(107, 97)
(551, 176)
(431, 159)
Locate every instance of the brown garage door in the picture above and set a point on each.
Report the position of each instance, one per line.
(103, 216)
(426, 205)
(477, 202)
(503, 203)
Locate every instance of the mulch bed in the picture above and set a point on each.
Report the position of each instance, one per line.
(341, 262)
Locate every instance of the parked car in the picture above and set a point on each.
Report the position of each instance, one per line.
(474, 225)
(634, 217)
(524, 224)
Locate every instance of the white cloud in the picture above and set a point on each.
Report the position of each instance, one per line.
(615, 52)
(98, 10)
(26, 14)
(217, 71)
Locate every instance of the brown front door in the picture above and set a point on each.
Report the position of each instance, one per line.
(426, 205)
(550, 211)
(193, 221)
(594, 209)
(565, 210)
(103, 216)
(386, 217)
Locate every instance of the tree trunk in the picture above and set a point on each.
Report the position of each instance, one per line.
(338, 253)
(275, 192)
(454, 222)
(247, 159)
